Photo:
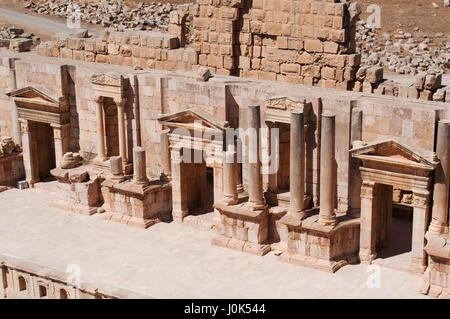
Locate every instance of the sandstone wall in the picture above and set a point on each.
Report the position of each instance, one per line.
(309, 42)
(154, 50)
(409, 121)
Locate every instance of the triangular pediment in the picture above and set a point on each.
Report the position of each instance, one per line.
(109, 79)
(36, 94)
(192, 119)
(393, 152)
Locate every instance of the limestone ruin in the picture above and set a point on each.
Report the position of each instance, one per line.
(135, 126)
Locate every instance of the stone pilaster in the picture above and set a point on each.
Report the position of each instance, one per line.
(327, 214)
(367, 249)
(29, 147)
(440, 218)
(165, 154)
(179, 195)
(61, 136)
(421, 203)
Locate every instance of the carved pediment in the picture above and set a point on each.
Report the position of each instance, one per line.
(37, 95)
(393, 153)
(192, 119)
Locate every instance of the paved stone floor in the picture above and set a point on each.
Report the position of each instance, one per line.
(172, 260)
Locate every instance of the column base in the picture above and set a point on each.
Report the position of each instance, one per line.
(179, 215)
(241, 245)
(366, 256)
(313, 262)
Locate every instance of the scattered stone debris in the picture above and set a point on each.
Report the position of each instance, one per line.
(403, 53)
(113, 14)
(16, 39)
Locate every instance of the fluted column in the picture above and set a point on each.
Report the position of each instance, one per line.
(327, 215)
(101, 153)
(121, 124)
(139, 167)
(439, 220)
(297, 164)
(255, 187)
(230, 194)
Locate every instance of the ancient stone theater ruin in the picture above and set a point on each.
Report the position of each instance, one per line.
(265, 130)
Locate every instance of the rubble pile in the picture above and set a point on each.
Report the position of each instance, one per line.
(113, 14)
(16, 39)
(403, 52)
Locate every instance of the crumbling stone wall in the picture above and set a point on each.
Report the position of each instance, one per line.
(308, 42)
(154, 50)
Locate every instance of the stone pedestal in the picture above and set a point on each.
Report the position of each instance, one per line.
(314, 245)
(245, 226)
(78, 190)
(138, 202)
(136, 205)
(436, 277)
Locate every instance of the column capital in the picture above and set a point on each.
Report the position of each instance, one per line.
(367, 189)
(98, 99)
(120, 102)
(421, 198)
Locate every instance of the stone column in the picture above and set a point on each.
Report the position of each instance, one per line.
(179, 193)
(421, 203)
(121, 124)
(439, 222)
(61, 134)
(116, 168)
(230, 194)
(272, 190)
(165, 154)
(255, 184)
(15, 113)
(297, 164)
(101, 151)
(139, 167)
(367, 246)
(354, 187)
(327, 215)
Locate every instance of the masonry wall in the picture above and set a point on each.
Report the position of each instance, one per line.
(154, 50)
(308, 42)
(409, 121)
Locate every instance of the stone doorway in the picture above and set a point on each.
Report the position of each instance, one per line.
(393, 224)
(45, 154)
(111, 128)
(384, 166)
